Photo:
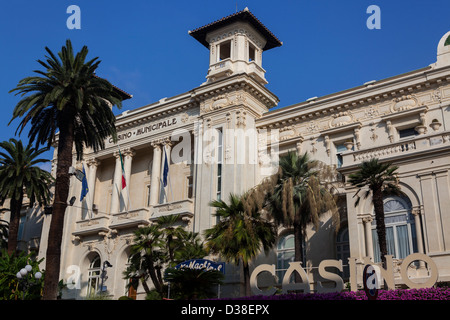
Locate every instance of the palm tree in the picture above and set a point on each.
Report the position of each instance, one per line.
(300, 196)
(158, 245)
(240, 235)
(380, 179)
(19, 176)
(146, 257)
(69, 97)
(173, 235)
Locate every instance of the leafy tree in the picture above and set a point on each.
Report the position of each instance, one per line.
(378, 179)
(240, 235)
(298, 194)
(194, 284)
(69, 97)
(12, 288)
(19, 177)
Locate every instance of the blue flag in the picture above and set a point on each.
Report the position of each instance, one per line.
(84, 186)
(166, 169)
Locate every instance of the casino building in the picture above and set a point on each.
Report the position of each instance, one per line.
(222, 137)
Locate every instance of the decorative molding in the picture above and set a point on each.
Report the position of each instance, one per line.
(403, 103)
(340, 119)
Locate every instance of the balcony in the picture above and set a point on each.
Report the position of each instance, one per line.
(221, 68)
(408, 148)
(185, 208)
(92, 226)
(131, 219)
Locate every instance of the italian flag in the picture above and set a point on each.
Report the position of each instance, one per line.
(124, 182)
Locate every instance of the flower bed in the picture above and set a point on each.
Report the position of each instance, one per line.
(398, 294)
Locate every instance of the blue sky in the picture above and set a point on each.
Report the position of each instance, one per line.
(146, 50)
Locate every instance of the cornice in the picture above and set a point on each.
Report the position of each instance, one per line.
(233, 83)
(367, 94)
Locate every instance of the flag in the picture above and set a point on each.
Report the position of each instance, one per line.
(124, 182)
(166, 169)
(84, 186)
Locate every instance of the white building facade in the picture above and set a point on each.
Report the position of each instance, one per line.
(222, 138)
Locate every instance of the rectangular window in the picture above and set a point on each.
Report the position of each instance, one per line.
(251, 53)
(339, 149)
(20, 232)
(190, 186)
(148, 195)
(225, 50)
(219, 162)
(407, 133)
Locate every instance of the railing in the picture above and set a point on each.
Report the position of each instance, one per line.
(384, 151)
(133, 219)
(419, 144)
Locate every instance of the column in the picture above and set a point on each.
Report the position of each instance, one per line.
(127, 159)
(418, 226)
(92, 176)
(117, 185)
(156, 172)
(419, 239)
(368, 234)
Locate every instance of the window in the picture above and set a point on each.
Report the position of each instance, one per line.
(339, 149)
(285, 254)
(224, 50)
(20, 232)
(407, 133)
(190, 186)
(400, 229)
(251, 53)
(148, 195)
(219, 163)
(94, 276)
(343, 251)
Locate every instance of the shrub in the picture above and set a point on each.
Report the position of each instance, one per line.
(398, 294)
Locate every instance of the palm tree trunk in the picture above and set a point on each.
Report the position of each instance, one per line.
(298, 245)
(145, 285)
(247, 288)
(62, 184)
(156, 282)
(15, 208)
(381, 228)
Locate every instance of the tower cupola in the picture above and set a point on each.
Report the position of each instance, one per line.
(236, 44)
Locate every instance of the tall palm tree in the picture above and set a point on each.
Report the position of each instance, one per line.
(379, 179)
(20, 176)
(240, 235)
(69, 97)
(300, 196)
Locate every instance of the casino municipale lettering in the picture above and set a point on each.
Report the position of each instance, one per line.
(387, 274)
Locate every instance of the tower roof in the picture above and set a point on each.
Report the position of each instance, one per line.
(244, 15)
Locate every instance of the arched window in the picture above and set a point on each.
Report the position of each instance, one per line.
(285, 254)
(94, 275)
(400, 228)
